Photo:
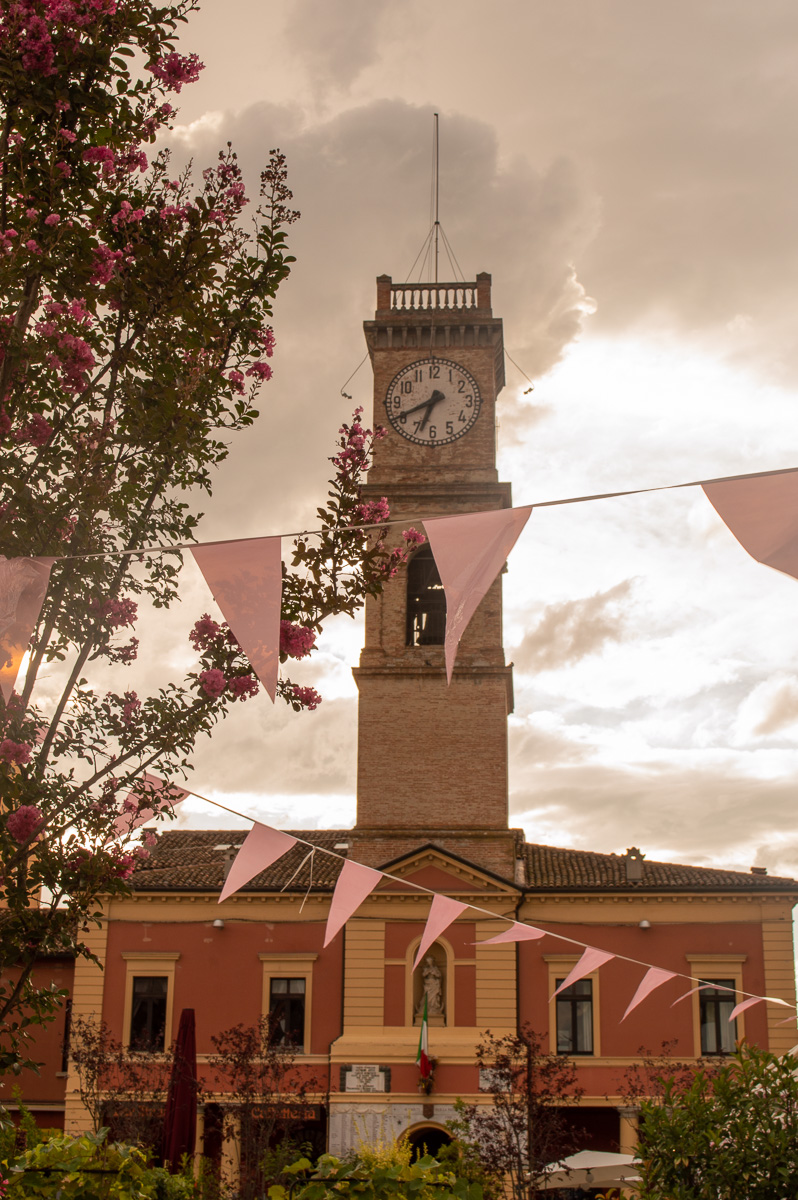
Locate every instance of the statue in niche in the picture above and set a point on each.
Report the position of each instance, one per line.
(432, 988)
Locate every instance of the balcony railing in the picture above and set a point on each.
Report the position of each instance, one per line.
(433, 297)
(409, 297)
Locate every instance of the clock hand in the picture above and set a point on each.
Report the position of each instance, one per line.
(409, 411)
(434, 399)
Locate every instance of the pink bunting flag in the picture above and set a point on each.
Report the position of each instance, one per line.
(591, 960)
(744, 1004)
(246, 579)
(136, 811)
(516, 933)
(702, 987)
(653, 978)
(353, 885)
(762, 514)
(469, 551)
(262, 847)
(23, 586)
(442, 912)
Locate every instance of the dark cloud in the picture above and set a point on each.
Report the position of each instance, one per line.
(335, 44)
(571, 629)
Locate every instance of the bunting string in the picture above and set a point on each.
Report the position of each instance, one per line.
(592, 958)
(469, 549)
(583, 499)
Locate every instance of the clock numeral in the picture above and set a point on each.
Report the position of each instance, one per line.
(396, 401)
(403, 418)
(469, 401)
(433, 433)
(434, 372)
(462, 418)
(449, 428)
(461, 385)
(416, 426)
(418, 375)
(406, 386)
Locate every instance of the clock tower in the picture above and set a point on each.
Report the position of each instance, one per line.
(432, 758)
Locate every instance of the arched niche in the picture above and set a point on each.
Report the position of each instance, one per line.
(443, 954)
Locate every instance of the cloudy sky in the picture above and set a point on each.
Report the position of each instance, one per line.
(626, 170)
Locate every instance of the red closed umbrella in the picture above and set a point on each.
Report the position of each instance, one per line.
(180, 1117)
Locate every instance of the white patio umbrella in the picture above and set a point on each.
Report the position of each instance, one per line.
(592, 1168)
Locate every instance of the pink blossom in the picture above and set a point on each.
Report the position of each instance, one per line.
(413, 537)
(75, 359)
(77, 308)
(53, 219)
(37, 48)
(17, 753)
(373, 511)
(37, 431)
(131, 159)
(261, 370)
(204, 633)
(173, 70)
(131, 708)
(105, 262)
(101, 154)
(67, 135)
(31, 213)
(128, 653)
(116, 613)
(127, 215)
(395, 560)
(33, 246)
(64, 168)
(67, 528)
(237, 380)
(266, 339)
(174, 210)
(149, 838)
(242, 686)
(212, 683)
(124, 866)
(296, 641)
(23, 822)
(308, 697)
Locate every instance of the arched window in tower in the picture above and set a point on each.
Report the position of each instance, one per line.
(426, 602)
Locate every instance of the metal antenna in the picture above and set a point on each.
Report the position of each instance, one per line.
(437, 223)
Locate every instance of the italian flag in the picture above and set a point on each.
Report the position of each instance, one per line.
(422, 1058)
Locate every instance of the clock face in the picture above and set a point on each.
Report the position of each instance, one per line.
(432, 402)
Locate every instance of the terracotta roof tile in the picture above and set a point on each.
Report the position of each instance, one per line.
(194, 860)
(552, 868)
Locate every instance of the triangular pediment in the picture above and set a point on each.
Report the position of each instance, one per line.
(439, 870)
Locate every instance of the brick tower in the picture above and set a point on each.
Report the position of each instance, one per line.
(432, 759)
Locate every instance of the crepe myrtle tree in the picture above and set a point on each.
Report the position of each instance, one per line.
(134, 337)
(526, 1125)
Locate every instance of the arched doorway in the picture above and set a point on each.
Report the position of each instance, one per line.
(427, 1139)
